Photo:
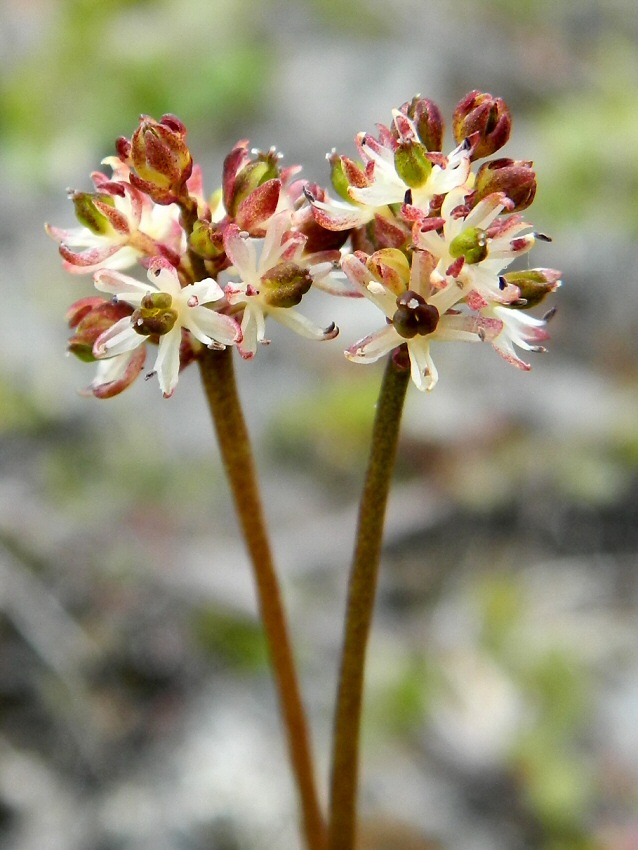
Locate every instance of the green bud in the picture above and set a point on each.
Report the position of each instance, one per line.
(285, 284)
(339, 178)
(251, 177)
(82, 351)
(534, 285)
(392, 267)
(89, 215)
(471, 244)
(206, 240)
(412, 164)
(154, 316)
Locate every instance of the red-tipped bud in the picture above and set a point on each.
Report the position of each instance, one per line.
(90, 317)
(243, 175)
(485, 118)
(338, 177)
(160, 157)
(516, 178)
(534, 285)
(90, 211)
(428, 121)
(257, 207)
(391, 267)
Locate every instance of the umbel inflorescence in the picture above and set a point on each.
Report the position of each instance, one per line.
(423, 235)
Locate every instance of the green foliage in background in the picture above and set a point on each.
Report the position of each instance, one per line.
(97, 66)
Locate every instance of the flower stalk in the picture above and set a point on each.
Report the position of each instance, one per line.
(360, 607)
(221, 393)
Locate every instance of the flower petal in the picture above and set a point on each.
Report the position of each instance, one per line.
(301, 325)
(118, 339)
(211, 327)
(241, 252)
(121, 286)
(167, 361)
(115, 374)
(422, 369)
(372, 347)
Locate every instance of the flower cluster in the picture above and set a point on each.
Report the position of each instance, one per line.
(432, 239)
(414, 230)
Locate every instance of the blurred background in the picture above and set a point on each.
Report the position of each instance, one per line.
(136, 708)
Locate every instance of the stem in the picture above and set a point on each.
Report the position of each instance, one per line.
(221, 391)
(188, 207)
(360, 607)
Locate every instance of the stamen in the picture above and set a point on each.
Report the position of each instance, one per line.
(550, 314)
(542, 237)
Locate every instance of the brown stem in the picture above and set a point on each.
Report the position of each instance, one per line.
(360, 608)
(221, 391)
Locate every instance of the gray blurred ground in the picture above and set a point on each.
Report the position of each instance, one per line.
(136, 710)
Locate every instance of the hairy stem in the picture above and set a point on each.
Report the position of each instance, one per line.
(221, 391)
(360, 607)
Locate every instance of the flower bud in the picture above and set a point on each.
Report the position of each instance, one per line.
(485, 118)
(206, 240)
(285, 284)
(516, 178)
(160, 156)
(412, 164)
(470, 244)
(533, 284)
(90, 215)
(392, 268)
(255, 210)
(428, 121)
(90, 317)
(243, 175)
(338, 177)
(154, 315)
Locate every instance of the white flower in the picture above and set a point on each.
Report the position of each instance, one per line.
(273, 276)
(412, 306)
(383, 184)
(164, 309)
(473, 249)
(507, 327)
(419, 314)
(136, 225)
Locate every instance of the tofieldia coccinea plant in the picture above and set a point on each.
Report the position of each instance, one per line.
(425, 236)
